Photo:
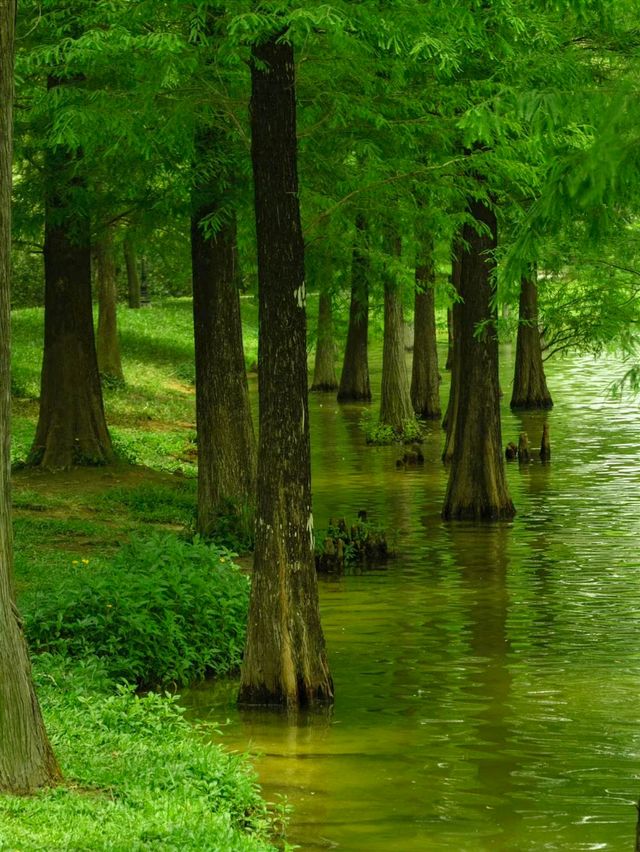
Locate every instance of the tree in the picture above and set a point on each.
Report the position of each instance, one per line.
(477, 488)
(324, 371)
(108, 345)
(131, 263)
(354, 380)
(529, 382)
(425, 379)
(285, 661)
(26, 759)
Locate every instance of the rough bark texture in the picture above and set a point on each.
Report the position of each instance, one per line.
(133, 279)
(395, 399)
(477, 487)
(285, 661)
(451, 413)
(324, 372)
(354, 381)
(26, 758)
(108, 345)
(425, 379)
(226, 440)
(529, 382)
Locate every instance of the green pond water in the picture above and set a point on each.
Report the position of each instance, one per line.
(487, 680)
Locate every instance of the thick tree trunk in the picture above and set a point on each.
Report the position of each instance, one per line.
(71, 427)
(324, 372)
(108, 346)
(529, 382)
(451, 414)
(425, 379)
(285, 660)
(395, 399)
(226, 440)
(477, 487)
(131, 262)
(354, 381)
(26, 758)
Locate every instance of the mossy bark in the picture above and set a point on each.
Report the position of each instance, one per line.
(226, 439)
(529, 382)
(131, 263)
(285, 662)
(108, 345)
(26, 758)
(395, 399)
(324, 372)
(71, 428)
(425, 378)
(355, 385)
(477, 488)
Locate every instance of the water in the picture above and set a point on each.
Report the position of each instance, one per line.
(488, 680)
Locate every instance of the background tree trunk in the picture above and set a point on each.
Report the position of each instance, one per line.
(26, 758)
(529, 382)
(285, 660)
(324, 372)
(226, 440)
(395, 400)
(354, 381)
(425, 378)
(477, 487)
(449, 363)
(131, 262)
(109, 362)
(451, 414)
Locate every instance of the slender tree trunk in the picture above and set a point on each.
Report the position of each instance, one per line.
(285, 660)
(449, 363)
(477, 487)
(451, 414)
(26, 758)
(324, 372)
(529, 382)
(226, 440)
(395, 399)
(108, 345)
(131, 262)
(425, 378)
(354, 381)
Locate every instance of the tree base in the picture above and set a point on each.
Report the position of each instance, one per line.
(324, 387)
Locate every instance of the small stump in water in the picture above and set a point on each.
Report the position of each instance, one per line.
(344, 546)
(523, 453)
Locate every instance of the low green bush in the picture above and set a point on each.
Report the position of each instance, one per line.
(381, 434)
(137, 776)
(162, 611)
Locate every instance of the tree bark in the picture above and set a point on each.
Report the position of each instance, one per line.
(354, 381)
(108, 348)
(395, 399)
(285, 661)
(226, 440)
(425, 378)
(529, 382)
(26, 759)
(71, 426)
(324, 372)
(477, 488)
(131, 262)
(451, 414)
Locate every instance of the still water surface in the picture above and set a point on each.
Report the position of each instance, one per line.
(487, 680)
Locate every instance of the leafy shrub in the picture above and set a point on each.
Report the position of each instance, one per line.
(138, 775)
(163, 611)
(381, 434)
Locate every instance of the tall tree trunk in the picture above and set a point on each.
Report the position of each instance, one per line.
(425, 379)
(449, 363)
(226, 440)
(395, 399)
(477, 487)
(529, 382)
(451, 414)
(285, 660)
(324, 372)
(109, 362)
(71, 426)
(354, 381)
(26, 758)
(131, 262)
